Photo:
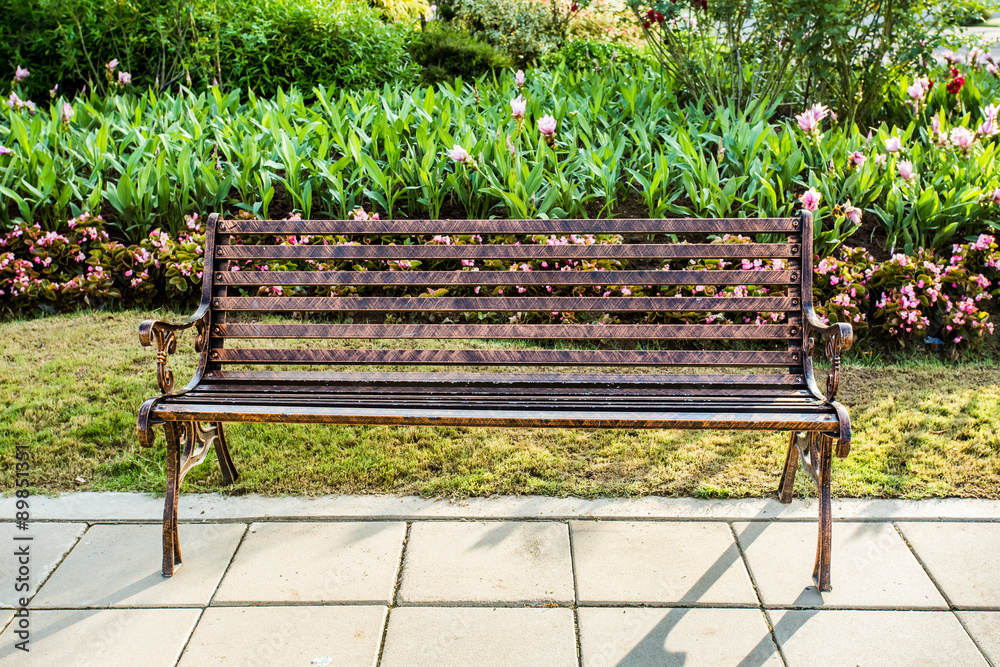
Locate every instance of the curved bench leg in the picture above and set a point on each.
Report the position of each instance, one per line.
(821, 571)
(229, 472)
(171, 542)
(787, 483)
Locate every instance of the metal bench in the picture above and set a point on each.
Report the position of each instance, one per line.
(607, 357)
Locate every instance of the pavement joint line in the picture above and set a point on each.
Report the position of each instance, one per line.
(951, 605)
(395, 594)
(756, 592)
(201, 615)
(462, 604)
(409, 518)
(215, 591)
(576, 597)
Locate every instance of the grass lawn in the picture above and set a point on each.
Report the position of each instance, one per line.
(70, 387)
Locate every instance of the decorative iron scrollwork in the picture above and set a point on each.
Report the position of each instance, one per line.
(834, 346)
(195, 441)
(166, 344)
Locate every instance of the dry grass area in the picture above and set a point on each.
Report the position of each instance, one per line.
(70, 387)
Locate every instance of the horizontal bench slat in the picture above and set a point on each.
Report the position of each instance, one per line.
(507, 304)
(586, 226)
(511, 252)
(444, 278)
(763, 421)
(508, 357)
(511, 331)
(392, 378)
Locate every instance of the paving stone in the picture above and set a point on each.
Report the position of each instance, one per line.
(299, 635)
(677, 636)
(962, 558)
(487, 561)
(48, 546)
(637, 562)
(114, 566)
(102, 637)
(315, 562)
(984, 626)
(831, 637)
(871, 567)
(463, 636)
(5, 617)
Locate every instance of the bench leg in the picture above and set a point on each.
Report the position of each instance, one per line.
(171, 543)
(821, 571)
(787, 483)
(229, 473)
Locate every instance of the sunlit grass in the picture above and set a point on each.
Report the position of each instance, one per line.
(70, 387)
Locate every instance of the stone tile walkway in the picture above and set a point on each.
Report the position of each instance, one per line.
(507, 581)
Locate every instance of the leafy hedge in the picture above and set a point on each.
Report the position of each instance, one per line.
(262, 45)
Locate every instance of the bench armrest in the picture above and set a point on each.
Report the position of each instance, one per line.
(839, 337)
(165, 335)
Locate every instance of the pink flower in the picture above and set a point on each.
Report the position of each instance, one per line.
(916, 91)
(112, 65)
(807, 121)
(858, 159)
(906, 170)
(991, 68)
(124, 78)
(995, 197)
(67, 112)
(547, 126)
(458, 154)
(4, 150)
(893, 145)
(880, 159)
(962, 137)
(989, 128)
(20, 74)
(852, 213)
(519, 79)
(518, 106)
(820, 111)
(810, 199)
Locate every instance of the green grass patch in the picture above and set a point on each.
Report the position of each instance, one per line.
(70, 387)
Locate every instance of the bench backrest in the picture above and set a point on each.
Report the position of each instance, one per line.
(586, 293)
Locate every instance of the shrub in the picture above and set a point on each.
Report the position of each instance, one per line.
(445, 52)
(587, 55)
(522, 28)
(263, 44)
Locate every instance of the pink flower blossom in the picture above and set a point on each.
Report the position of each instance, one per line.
(808, 122)
(858, 159)
(67, 112)
(519, 79)
(962, 137)
(996, 196)
(124, 78)
(20, 74)
(852, 213)
(547, 126)
(458, 154)
(518, 106)
(880, 159)
(893, 144)
(4, 150)
(906, 170)
(810, 199)
(112, 65)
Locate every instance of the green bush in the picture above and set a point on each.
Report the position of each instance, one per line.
(445, 52)
(259, 44)
(588, 55)
(523, 28)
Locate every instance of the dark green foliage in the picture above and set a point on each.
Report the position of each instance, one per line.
(446, 52)
(259, 44)
(587, 55)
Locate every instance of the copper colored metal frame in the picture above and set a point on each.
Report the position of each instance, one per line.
(636, 389)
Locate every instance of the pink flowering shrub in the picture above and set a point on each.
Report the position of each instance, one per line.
(840, 287)
(927, 296)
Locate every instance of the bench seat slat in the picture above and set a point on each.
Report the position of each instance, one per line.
(559, 227)
(512, 252)
(511, 331)
(747, 419)
(484, 278)
(729, 380)
(495, 304)
(508, 357)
